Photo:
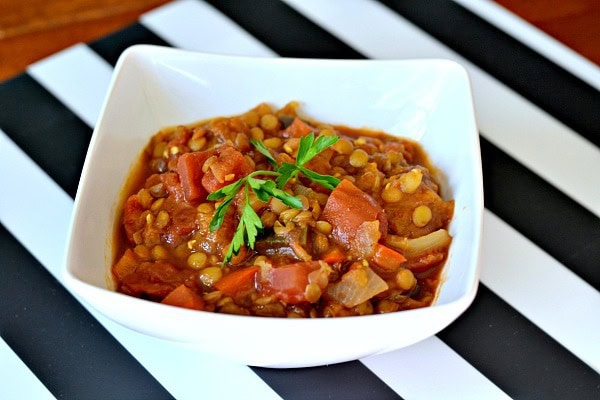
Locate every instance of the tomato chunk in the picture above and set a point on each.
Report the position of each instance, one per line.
(288, 282)
(183, 220)
(352, 213)
(189, 167)
(183, 296)
(173, 184)
(297, 129)
(229, 166)
(132, 210)
(154, 280)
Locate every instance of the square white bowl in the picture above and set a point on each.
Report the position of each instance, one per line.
(153, 87)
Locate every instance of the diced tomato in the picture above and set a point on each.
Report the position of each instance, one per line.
(365, 239)
(180, 136)
(126, 264)
(189, 167)
(132, 210)
(320, 164)
(229, 167)
(297, 128)
(154, 280)
(237, 281)
(226, 129)
(387, 259)
(183, 220)
(425, 261)
(288, 282)
(350, 210)
(183, 296)
(172, 183)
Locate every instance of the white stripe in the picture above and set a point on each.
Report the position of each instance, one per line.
(19, 212)
(503, 271)
(534, 138)
(194, 25)
(536, 39)
(543, 290)
(183, 371)
(432, 370)
(18, 382)
(80, 72)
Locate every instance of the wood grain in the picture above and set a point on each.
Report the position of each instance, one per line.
(33, 29)
(575, 23)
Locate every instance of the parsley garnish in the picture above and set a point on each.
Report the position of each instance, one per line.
(250, 224)
(308, 149)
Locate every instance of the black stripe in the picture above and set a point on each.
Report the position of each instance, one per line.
(494, 311)
(52, 135)
(344, 381)
(110, 47)
(516, 355)
(62, 344)
(556, 223)
(285, 31)
(549, 86)
(502, 202)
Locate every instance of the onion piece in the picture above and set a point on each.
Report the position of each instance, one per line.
(357, 285)
(421, 245)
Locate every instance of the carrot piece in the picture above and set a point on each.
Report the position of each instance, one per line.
(387, 259)
(333, 255)
(126, 264)
(183, 296)
(297, 129)
(237, 281)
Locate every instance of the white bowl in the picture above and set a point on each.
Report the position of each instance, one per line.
(152, 87)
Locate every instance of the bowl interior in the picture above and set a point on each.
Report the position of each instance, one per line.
(152, 87)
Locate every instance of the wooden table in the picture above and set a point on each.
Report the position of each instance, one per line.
(33, 29)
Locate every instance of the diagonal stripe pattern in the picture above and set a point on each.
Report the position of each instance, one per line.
(532, 331)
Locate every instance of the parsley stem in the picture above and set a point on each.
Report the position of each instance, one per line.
(263, 173)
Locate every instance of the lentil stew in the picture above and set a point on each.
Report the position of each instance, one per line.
(269, 214)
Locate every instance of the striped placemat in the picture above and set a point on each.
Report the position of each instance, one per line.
(533, 330)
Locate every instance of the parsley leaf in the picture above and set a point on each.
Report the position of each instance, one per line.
(286, 198)
(309, 147)
(327, 181)
(228, 193)
(246, 232)
(250, 225)
(262, 149)
(287, 171)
